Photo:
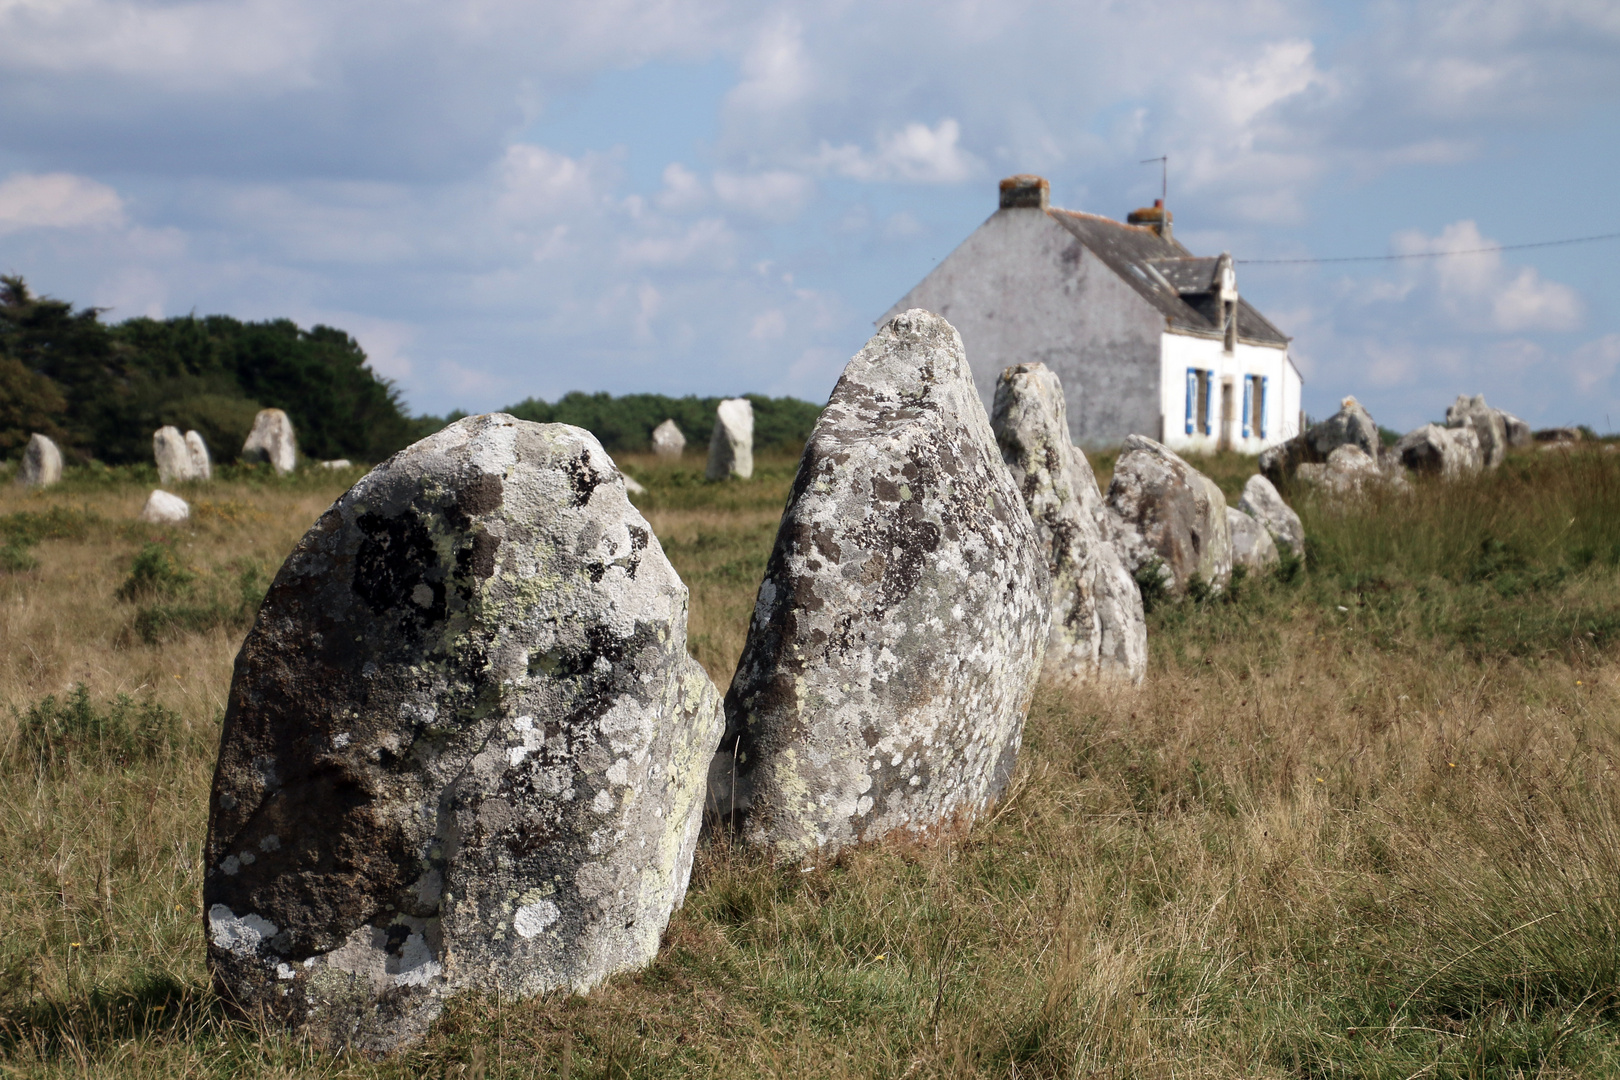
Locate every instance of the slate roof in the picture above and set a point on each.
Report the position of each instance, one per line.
(1166, 275)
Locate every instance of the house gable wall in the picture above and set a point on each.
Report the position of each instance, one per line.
(1022, 289)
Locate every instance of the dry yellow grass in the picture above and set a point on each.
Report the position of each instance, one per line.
(1366, 823)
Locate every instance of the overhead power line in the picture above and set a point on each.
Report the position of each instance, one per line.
(1435, 254)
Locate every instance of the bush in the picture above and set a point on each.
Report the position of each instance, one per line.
(117, 732)
(172, 598)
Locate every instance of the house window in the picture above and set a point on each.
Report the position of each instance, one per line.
(1198, 380)
(1254, 406)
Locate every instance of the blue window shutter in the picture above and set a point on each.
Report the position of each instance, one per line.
(1262, 406)
(1209, 392)
(1192, 396)
(1248, 404)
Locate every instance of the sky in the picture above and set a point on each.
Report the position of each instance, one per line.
(507, 199)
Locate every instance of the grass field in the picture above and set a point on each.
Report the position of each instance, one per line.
(1361, 820)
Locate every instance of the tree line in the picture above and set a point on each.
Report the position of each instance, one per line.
(101, 389)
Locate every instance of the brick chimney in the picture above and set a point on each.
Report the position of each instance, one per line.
(1025, 191)
(1155, 217)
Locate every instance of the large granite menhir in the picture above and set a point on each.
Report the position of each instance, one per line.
(1098, 626)
(1168, 513)
(41, 462)
(731, 447)
(902, 621)
(465, 747)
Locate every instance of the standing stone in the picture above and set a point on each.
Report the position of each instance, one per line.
(272, 440)
(1518, 431)
(1352, 425)
(1262, 502)
(1098, 627)
(900, 628)
(337, 464)
(163, 508)
(1252, 546)
(1487, 424)
(668, 442)
(1444, 452)
(465, 747)
(41, 463)
(731, 448)
(202, 466)
(1165, 510)
(172, 455)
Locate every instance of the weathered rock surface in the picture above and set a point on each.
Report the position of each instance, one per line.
(1519, 434)
(1348, 470)
(172, 455)
(1262, 502)
(464, 747)
(1252, 545)
(1439, 451)
(902, 621)
(1165, 510)
(41, 463)
(1487, 424)
(1352, 425)
(668, 442)
(731, 448)
(631, 486)
(162, 508)
(337, 463)
(1557, 435)
(272, 440)
(202, 466)
(1098, 627)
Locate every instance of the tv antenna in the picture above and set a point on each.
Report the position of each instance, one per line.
(1164, 176)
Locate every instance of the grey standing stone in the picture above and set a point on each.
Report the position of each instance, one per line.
(1352, 425)
(731, 447)
(1262, 502)
(1098, 627)
(272, 440)
(465, 746)
(337, 464)
(172, 455)
(1443, 452)
(41, 463)
(163, 508)
(1168, 512)
(202, 466)
(1487, 424)
(667, 440)
(1518, 431)
(1252, 545)
(900, 628)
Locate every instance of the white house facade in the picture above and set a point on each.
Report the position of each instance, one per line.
(1145, 337)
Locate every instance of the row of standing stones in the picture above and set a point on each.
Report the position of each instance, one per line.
(180, 459)
(1345, 454)
(731, 446)
(466, 749)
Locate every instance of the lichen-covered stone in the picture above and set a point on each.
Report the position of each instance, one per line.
(900, 627)
(272, 440)
(172, 455)
(41, 462)
(1488, 425)
(202, 466)
(668, 441)
(464, 747)
(1518, 431)
(1262, 502)
(1252, 545)
(163, 508)
(1167, 512)
(1444, 452)
(1098, 626)
(1352, 425)
(731, 447)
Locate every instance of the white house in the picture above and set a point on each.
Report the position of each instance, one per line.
(1146, 337)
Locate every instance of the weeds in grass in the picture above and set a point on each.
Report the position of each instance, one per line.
(115, 733)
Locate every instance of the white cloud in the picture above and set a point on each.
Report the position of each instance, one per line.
(775, 196)
(1529, 303)
(1478, 291)
(57, 201)
(768, 325)
(1596, 362)
(916, 153)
